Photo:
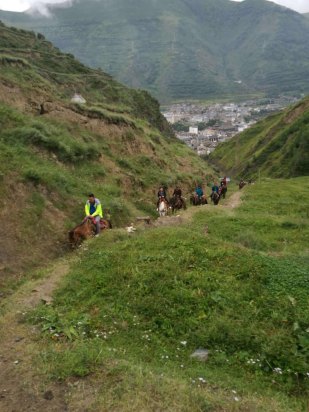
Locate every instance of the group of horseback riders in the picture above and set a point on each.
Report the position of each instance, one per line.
(94, 211)
(177, 196)
(197, 198)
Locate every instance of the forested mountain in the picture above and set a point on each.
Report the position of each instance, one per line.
(277, 146)
(53, 152)
(180, 49)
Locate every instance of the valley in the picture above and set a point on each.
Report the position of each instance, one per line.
(206, 309)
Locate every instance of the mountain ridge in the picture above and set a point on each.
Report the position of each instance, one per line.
(277, 146)
(150, 48)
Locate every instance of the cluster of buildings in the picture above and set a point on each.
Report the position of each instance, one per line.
(203, 127)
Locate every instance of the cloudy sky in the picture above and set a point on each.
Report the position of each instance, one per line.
(301, 6)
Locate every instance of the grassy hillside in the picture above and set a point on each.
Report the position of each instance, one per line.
(54, 152)
(180, 49)
(277, 146)
(133, 309)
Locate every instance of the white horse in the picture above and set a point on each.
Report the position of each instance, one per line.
(162, 207)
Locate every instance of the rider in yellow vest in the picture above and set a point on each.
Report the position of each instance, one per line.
(93, 208)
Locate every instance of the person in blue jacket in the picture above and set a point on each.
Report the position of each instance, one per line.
(199, 191)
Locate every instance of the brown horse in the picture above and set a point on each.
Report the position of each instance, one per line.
(195, 200)
(177, 203)
(85, 230)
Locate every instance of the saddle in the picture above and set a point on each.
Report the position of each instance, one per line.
(104, 224)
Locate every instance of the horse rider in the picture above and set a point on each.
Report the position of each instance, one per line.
(93, 209)
(177, 192)
(214, 189)
(161, 194)
(199, 192)
(224, 181)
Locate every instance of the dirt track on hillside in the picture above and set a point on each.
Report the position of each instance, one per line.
(21, 386)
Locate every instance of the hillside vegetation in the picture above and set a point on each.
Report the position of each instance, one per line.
(133, 309)
(277, 146)
(180, 49)
(54, 152)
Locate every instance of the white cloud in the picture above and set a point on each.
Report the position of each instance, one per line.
(302, 6)
(36, 5)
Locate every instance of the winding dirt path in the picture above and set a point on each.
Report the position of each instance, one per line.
(21, 388)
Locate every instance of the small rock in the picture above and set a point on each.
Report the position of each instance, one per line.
(48, 395)
(16, 362)
(19, 338)
(200, 354)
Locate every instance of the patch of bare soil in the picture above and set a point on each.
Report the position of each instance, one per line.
(21, 387)
(294, 114)
(25, 231)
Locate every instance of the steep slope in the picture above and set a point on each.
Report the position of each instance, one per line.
(53, 152)
(277, 146)
(123, 326)
(180, 49)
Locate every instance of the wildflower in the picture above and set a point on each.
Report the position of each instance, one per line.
(184, 342)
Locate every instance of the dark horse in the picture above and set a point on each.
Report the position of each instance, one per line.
(177, 203)
(196, 200)
(242, 183)
(215, 197)
(85, 230)
(223, 192)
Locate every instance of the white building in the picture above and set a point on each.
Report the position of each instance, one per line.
(193, 130)
(78, 98)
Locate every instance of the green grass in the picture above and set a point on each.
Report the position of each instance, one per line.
(130, 303)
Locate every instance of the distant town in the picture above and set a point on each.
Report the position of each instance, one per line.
(203, 127)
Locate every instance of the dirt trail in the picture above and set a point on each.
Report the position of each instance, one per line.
(21, 388)
(233, 201)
